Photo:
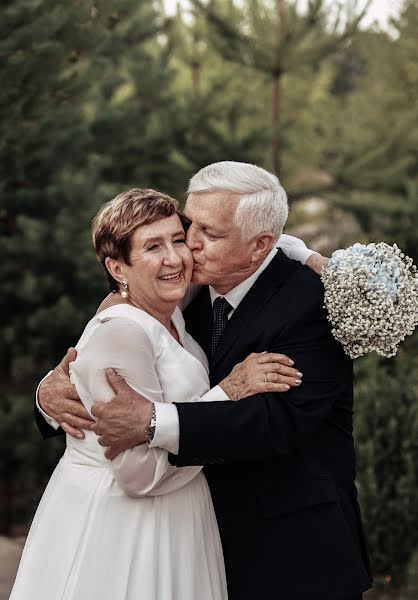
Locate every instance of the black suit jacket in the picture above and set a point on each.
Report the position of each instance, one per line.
(280, 467)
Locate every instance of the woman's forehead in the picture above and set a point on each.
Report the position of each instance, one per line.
(163, 227)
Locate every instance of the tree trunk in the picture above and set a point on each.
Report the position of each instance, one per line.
(195, 75)
(280, 13)
(5, 507)
(276, 109)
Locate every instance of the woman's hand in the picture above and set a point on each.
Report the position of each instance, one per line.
(317, 262)
(296, 249)
(261, 372)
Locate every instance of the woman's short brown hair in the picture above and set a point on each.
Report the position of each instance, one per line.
(118, 219)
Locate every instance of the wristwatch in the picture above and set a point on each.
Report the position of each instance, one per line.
(150, 430)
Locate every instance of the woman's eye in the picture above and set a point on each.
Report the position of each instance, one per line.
(153, 247)
(180, 241)
(210, 236)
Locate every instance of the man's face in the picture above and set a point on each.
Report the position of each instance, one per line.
(221, 258)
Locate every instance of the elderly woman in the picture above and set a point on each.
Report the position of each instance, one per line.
(134, 527)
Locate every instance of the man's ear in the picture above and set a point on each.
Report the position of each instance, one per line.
(115, 268)
(262, 245)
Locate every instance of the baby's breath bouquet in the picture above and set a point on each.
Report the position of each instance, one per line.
(371, 295)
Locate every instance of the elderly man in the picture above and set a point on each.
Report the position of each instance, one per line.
(280, 467)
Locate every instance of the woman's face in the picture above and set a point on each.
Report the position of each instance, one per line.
(161, 265)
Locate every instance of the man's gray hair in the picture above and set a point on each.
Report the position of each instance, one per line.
(263, 203)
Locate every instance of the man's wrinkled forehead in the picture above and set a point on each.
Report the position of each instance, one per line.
(211, 206)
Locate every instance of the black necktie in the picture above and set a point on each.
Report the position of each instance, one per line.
(221, 308)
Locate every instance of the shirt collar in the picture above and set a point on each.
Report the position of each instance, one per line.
(236, 295)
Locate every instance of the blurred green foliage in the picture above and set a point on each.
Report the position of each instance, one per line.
(98, 97)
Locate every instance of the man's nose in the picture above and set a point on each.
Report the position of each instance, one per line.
(192, 240)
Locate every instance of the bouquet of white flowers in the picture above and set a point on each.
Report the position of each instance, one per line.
(371, 295)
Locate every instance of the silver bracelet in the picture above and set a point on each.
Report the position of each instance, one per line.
(150, 430)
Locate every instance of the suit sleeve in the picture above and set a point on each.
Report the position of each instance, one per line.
(265, 426)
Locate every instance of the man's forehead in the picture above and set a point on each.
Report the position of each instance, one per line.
(211, 205)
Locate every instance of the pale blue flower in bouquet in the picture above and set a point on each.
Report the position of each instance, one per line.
(371, 296)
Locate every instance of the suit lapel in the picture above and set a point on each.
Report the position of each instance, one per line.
(266, 286)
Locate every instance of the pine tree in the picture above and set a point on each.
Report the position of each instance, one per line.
(277, 40)
(72, 135)
(218, 119)
(375, 166)
(43, 51)
(387, 443)
(133, 109)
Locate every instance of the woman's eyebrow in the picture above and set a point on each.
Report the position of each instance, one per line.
(158, 238)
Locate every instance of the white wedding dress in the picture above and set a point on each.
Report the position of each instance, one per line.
(132, 528)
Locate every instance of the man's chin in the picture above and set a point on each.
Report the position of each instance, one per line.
(200, 278)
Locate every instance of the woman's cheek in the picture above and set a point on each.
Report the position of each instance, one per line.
(188, 260)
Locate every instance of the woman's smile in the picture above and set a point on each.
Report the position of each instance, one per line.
(172, 276)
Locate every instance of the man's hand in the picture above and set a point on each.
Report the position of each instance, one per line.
(123, 421)
(59, 399)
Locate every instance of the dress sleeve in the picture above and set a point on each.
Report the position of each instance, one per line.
(122, 344)
(294, 248)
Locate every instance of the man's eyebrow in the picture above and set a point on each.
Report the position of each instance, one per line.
(202, 224)
(205, 225)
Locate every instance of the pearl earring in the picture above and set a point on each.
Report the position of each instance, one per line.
(124, 292)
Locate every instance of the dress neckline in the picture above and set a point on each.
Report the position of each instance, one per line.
(176, 319)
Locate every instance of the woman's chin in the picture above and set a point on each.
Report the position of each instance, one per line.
(175, 295)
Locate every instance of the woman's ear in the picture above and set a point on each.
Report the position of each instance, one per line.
(262, 245)
(115, 268)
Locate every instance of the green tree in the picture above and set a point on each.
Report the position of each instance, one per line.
(216, 117)
(43, 144)
(376, 166)
(67, 145)
(372, 156)
(132, 112)
(387, 442)
(276, 39)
